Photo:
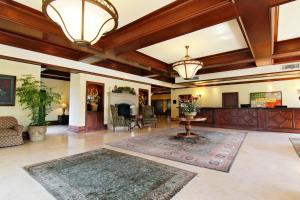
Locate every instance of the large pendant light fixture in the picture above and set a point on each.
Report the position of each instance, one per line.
(187, 67)
(83, 21)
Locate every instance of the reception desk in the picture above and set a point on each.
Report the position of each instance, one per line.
(258, 119)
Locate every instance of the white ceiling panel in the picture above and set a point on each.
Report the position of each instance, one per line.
(289, 25)
(129, 10)
(216, 39)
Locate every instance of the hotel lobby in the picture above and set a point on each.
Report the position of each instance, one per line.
(160, 100)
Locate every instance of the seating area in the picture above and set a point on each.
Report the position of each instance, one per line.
(10, 132)
(156, 100)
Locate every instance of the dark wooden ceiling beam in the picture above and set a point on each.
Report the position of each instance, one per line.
(287, 51)
(20, 41)
(178, 18)
(228, 58)
(287, 48)
(273, 3)
(146, 60)
(224, 68)
(23, 20)
(258, 32)
(24, 15)
(121, 67)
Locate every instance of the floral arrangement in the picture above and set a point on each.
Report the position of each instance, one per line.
(191, 105)
(124, 90)
(93, 96)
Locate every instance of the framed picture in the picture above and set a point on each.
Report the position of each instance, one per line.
(266, 99)
(7, 90)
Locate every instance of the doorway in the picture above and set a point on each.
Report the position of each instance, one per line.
(94, 106)
(230, 100)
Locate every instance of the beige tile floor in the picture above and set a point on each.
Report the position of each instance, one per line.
(266, 168)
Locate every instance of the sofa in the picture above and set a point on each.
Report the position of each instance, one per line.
(10, 132)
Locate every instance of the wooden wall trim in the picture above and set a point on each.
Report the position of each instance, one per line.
(247, 82)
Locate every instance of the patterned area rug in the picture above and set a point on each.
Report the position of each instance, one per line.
(105, 174)
(217, 150)
(296, 144)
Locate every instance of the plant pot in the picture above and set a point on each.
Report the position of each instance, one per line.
(37, 133)
(190, 114)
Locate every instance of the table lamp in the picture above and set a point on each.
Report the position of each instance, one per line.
(64, 106)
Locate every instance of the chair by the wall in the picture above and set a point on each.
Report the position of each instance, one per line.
(10, 132)
(149, 117)
(118, 121)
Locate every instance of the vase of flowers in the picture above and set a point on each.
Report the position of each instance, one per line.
(190, 108)
(93, 100)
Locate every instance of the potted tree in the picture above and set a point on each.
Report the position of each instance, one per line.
(39, 100)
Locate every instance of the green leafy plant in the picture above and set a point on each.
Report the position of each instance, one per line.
(37, 98)
(124, 90)
(189, 107)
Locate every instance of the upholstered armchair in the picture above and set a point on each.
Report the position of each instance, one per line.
(118, 121)
(10, 132)
(149, 116)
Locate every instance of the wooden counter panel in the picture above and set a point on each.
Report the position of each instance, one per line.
(278, 119)
(242, 118)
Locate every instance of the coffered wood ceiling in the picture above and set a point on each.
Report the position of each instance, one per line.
(220, 38)
(224, 34)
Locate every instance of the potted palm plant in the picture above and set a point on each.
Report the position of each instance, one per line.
(39, 100)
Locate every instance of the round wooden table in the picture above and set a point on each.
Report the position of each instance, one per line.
(187, 121)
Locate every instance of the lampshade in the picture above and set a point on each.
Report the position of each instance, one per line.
(64, 105)
(187, 67)
(82, 21)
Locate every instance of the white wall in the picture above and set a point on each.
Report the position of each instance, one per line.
(61, 87)
(18, 69)
(78, 95)
(212, 96)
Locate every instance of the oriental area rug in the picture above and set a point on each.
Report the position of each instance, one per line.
(296, 144)
(214, 150)
(105, 174)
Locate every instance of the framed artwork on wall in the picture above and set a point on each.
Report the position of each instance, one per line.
(266, 99)
(7, 90)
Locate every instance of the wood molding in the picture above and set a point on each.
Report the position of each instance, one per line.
(228, 58)
(24, 42)
(276, 23)
(287, 48)
(230, 67)
(247, 82)
(175, 19)
(146, 60)
(259, 35)
(110, 64)
(273, 3)
(21, 14)
(27, 22)
(77, 129)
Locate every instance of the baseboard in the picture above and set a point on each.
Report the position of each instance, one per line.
(83, 129)
(77, 129)
(51, 123)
